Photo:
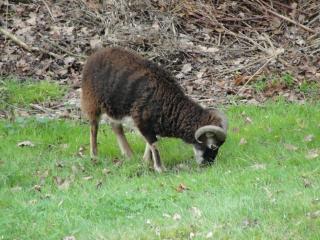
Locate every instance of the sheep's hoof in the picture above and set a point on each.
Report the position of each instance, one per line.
(147, 158)
(158, 169)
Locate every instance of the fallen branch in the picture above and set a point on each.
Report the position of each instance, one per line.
(51, 15)
(63, 49)
(290, 20)
(255, 74)
(15, 39)
(40, 108)
(24, 45)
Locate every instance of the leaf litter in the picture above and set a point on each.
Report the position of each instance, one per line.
(218, 49)
(26, 144)
(181, 188)
(313, 154)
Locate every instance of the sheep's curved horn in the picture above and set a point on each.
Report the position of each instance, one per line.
(219, 132)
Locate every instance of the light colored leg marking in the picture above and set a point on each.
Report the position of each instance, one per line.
(147, 157)
(198, 155)
(156, 158)
(93, 139)
(121, 138)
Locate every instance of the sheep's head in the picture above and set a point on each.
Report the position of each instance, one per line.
(209, 138)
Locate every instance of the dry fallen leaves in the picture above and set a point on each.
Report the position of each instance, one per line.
(117, 162)
(209, 235)
(81, 151)
(316, 201)
(33, 202)
(25, 144)
(31, 24)
(181, 187)
(248, 120)
(64, 145)
(312, 154)
(87, 178)
(259, 166)
(37, 188)
(69, 238)
(95, 42)
(166, 215)
(157, 231)
(196, 212)
(243, 141)
(240, 80)
(308, 138)
(249, 222)
(106, 171)
(59, 164)
(290, 147)
(74, 170)
(176, 217)
(99, 184)
(186, 68)
(270, 195)
(306, 182)
(315, 214)
(63, 184)
(16, 189)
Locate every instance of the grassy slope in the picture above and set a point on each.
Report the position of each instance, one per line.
(258, 190)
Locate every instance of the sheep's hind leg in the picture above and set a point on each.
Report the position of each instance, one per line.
(94, 126)
(121, 138)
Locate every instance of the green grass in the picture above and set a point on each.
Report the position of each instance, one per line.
(287, 79)
(20, 94)
(309, 88)
(267, 188)
(259, 190)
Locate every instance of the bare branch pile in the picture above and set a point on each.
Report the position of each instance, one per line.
(216, 49)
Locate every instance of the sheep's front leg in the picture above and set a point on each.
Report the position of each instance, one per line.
(156, 158)
(147, 156)
(151, 155)
(151, 140)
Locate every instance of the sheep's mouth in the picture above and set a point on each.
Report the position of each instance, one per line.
(209, 156)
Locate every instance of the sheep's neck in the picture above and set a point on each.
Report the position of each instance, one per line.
(183, 120)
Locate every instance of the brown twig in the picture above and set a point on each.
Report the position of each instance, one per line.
(15, 39)
(63, 49)
(24, 45)
(255, 74)
(290, 20)
(40, 108)
(51, 15)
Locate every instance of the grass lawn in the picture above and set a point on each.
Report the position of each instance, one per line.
(265, 183)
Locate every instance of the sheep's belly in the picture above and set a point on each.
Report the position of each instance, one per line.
(127, 121)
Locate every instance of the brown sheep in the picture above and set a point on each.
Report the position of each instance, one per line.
(123, 85)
